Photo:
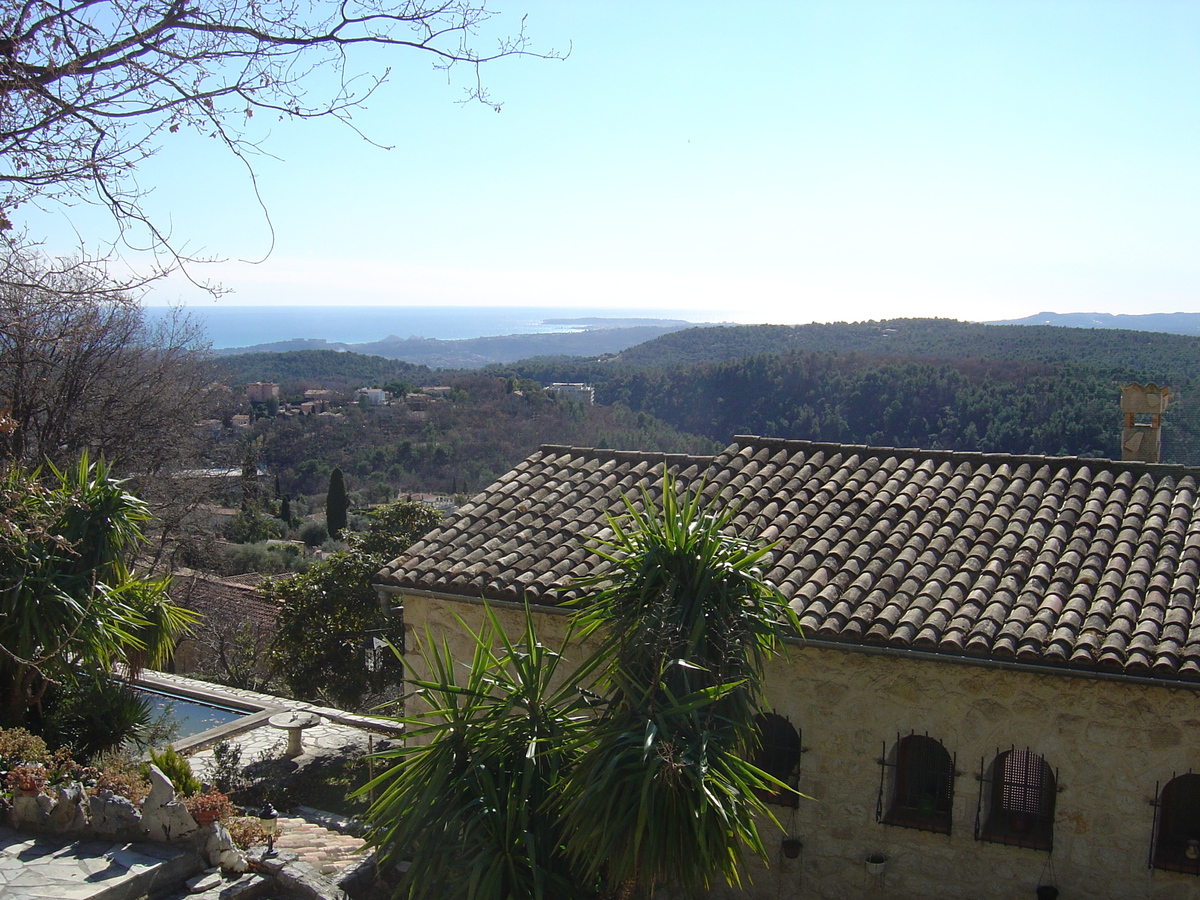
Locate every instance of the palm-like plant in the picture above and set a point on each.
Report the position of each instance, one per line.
(69, 601)
(471, 799)
(662, 793)
(512, 787)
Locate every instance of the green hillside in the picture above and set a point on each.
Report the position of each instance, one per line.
(1156, 356)
(907, 382)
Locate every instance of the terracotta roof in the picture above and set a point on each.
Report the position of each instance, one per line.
(225, 601)
(1063, 561)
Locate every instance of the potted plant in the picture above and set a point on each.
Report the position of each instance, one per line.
(876, 863)
(209, 807)
(27, 778)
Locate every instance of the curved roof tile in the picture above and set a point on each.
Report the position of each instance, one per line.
(1064, 562)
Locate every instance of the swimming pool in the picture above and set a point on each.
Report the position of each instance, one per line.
(193, 716)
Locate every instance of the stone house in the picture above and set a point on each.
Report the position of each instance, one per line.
(995, 688)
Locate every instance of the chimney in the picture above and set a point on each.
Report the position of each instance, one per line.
(1141, 441)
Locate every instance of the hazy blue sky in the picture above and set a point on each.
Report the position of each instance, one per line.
(783, 162)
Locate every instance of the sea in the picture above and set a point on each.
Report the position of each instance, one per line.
(231, 326)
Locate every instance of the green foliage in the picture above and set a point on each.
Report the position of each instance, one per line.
(517, 782)
(250, 526)
(96, 714)
(337, 504)
(331, 368)
(473, 798)
(70, 607)
(454, 447)
(905, 382)
(175, 766)
(314, 534)
(227, 773)
(329, 611)
(662, 794)
(237, 559)
(1161, 357)
(20, 746)
(398, 388)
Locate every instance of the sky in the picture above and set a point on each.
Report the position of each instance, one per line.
(782, 162)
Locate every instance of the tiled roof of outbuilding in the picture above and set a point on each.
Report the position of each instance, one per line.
(1041, 560)
(225, 601)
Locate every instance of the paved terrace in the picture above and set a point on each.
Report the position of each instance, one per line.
(40, 867)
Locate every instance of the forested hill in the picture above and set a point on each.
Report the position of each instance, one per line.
(906, 383)
(993, 406)
(320, 368)
(1169, 358)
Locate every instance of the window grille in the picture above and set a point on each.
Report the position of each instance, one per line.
(778, 753)
(1175, 836)
(922, 785)
(1018, 791)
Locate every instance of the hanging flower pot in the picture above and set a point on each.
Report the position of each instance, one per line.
(876, 863)
(1047, 892)
(792, 847)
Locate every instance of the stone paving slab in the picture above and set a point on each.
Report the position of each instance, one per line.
(43, 867)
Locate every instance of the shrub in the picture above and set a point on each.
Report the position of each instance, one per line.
(96, 715)
(120, 773)
(245, 831)
(173, 765)
(250, 527)
(17, 746)
(314, 534)
(226, 772)
(26, 777)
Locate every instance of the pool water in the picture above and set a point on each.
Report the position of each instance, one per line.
(193, 716)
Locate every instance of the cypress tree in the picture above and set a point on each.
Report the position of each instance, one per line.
(336, 504)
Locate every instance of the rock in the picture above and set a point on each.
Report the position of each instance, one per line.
(68, 815)
(301, 879)
(217, 843)
(204, 881)
(114, 816)
(163, 817)
(31, 809)
(233, 861)
(162, 791)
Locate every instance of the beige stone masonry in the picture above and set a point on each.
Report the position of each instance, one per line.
(1110, 742)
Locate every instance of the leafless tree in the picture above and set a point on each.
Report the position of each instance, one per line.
(80, 369)
(88, 88)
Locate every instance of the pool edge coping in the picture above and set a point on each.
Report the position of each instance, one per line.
(259, 708)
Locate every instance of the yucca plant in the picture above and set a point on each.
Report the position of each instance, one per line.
(69, 602)
(662, 793)
(517, 782)
(471, 799)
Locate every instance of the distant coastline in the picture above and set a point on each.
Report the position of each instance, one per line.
(230, 326)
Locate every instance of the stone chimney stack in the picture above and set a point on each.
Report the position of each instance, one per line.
(1141, 438)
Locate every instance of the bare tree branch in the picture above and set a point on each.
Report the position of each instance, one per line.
(88, 88)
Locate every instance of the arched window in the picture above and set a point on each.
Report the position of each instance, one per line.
(778, 753)
(922, 785)
(1177, 825)
(1020, 790)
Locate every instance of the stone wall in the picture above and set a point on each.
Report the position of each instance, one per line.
(1109, 742)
